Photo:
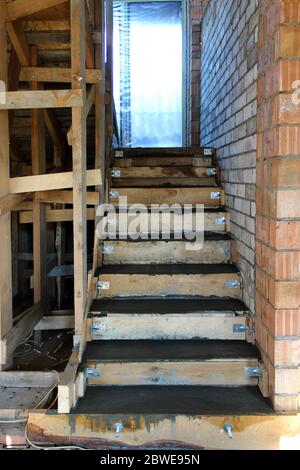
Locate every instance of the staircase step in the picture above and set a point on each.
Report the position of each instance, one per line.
(215, 250)
(163, 182)
(169, 319)
(211, 197)
(139, 152)
(171, 363)
(124, 402)
(167, 161)
(162, 172)
(215, 220)
(220, 280)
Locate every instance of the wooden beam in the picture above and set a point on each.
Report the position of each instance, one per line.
(6, 310)
(53, 128)
(57, 75)
(23, 328)
(51, 182)
(55, 216)
(10, 201)
(24, 8)
(56, 323)
(42, 99)
(38, 160)
(78, 55)
(66, 197)
(19, 42)
(35, 379)
(66, 388)
(90, 100)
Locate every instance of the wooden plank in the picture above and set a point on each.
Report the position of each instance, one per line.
(78, 53)
(256, 432)
(19, 42)
(163, 161)
(213, 222)
(208, 325)
(90, 100)
(10, 201)
(52, 181)
(66, 388)
(164, 252)
(38, 161)
(206, 285)
(56, 75)
(56, 323)
(209, 373)
(55, 216)
(43, 99)
(163, 182)
(66, 197)
(24, 8)
(169, 196)
(6, 310)
(35, 379)
(162, 172)
(23, 328)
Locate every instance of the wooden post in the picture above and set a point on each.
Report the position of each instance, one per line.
(78, 52)
(100, 95)
(6, 317)
(38, 157)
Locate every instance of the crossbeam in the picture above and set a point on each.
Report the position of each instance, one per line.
(41, 99)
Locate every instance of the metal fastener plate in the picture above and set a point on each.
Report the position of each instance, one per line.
(252, 372)
(215, 195)
(211, 172)
(220, 221)
(208, 152)
(119, 154)
(240, 328)
(108, 250)
(103, 285)
(116, 173)
(114, 194)
(233, 284)
(93, 373)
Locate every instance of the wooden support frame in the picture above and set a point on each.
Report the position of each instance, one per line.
(23, 8)
(57, 75)
(6, 309)
(43, 99)
(52, 181)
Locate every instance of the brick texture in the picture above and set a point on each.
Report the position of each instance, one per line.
(229, 116)
(277, 200)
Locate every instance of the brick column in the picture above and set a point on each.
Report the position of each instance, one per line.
(278, 200)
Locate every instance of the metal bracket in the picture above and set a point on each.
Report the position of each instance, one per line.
(240, 328)
(119, 154)
(220, 221)
(211, 172)
(92, 373)
(215, 195)
(108, 250)
(118, 429)
(116, 173)
(233, 284)
(103, 285)
(114, 194)
(208, 152)
(99, 327)
(228, 428)
(252, 372)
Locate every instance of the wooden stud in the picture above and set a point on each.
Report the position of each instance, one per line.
(43, 99)
(6, 311)
(56, 75)
(66, 197)
(78, 41)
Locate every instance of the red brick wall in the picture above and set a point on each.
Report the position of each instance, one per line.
(278, 200)
(197, 9)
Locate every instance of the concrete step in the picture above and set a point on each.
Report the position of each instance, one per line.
(216, 249)
(169, 319)
(220, 280)
(208, 196)
(226, 363)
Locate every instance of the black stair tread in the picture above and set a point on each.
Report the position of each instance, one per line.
(171, 269)
(121, 183)
(174, 400)
(142, 152)
(166, 306)
(208, 236)
(207, 210)
(173, 350)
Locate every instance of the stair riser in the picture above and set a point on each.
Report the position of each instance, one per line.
(162, 182)
(213, 326)
(163, 172)
(208, 373)
(213, 222)
(164, 161)
(169, 196)
(206, 285)
(160, 252)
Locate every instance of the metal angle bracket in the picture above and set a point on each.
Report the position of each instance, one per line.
(252, 372)
(220, 220)
(233, 284)
(116, 173)
(92, 373)
(215, 195)
(114, 194)
(108, 250)
(119, 154)
(208, 152)
(240, 328)
(211, 172)
(103, 285)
